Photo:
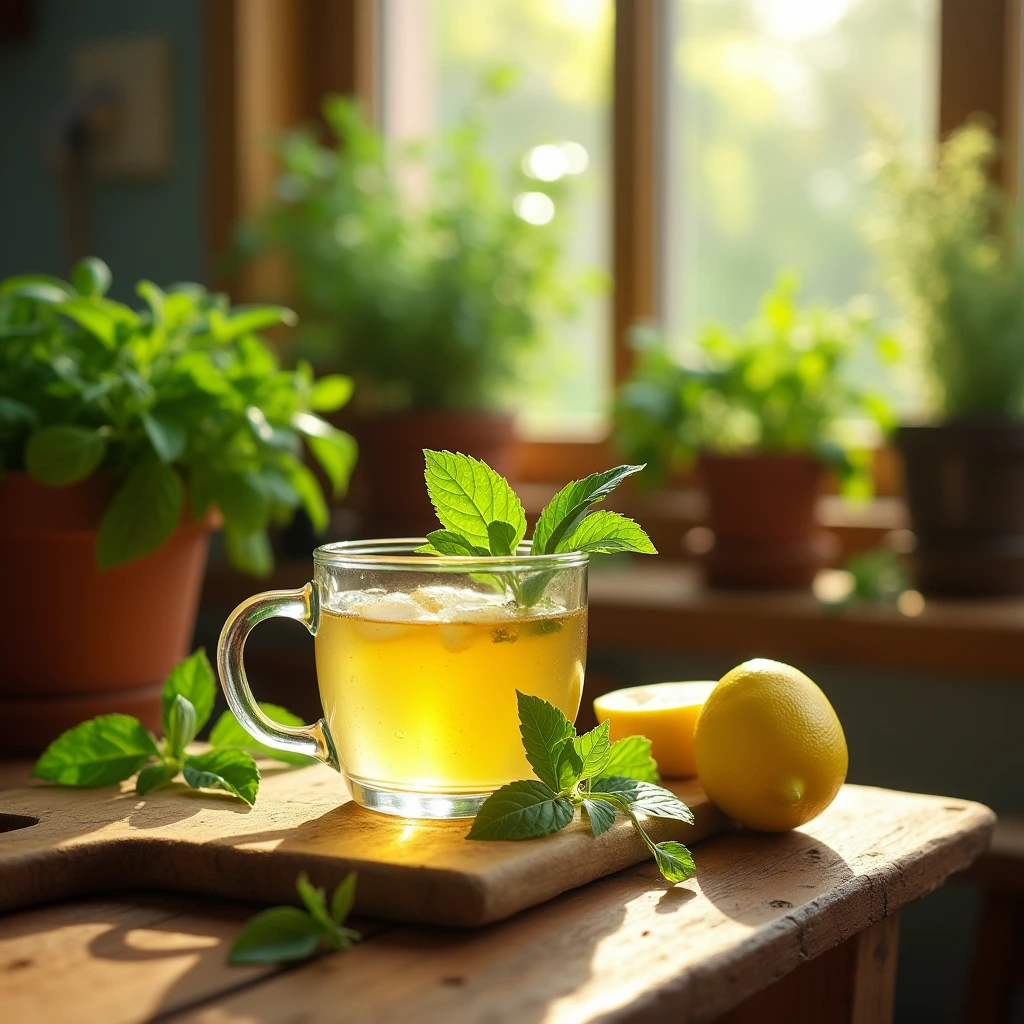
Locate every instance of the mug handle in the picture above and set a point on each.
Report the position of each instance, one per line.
(304, 605)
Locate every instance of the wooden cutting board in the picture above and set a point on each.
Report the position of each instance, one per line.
(56, 843)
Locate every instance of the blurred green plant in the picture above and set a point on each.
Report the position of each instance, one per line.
(950, 242)
(182, 403)
(875, 577)
(414, 272)
(779, 385)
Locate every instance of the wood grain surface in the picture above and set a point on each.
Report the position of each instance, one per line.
(762, 909)
(629, 947)
(59, 843)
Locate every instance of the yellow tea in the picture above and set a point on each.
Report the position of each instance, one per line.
(419, 689)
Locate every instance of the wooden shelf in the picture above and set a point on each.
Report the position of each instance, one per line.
(666, 607)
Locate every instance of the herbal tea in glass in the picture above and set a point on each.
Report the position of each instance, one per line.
(418, 689)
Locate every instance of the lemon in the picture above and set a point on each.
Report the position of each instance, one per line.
(663, 712)
(769, 748)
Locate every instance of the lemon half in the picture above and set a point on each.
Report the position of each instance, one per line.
(663, 712)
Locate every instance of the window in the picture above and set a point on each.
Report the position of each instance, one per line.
(748, 180)
(767, 121)
(435, 54)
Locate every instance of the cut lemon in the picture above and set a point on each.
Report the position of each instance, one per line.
(663, 712)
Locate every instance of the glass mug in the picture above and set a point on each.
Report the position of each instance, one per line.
(418, 658)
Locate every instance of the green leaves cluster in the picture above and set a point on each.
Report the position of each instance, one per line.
(110, 748)
(471, 288)
(182, 402)
(482, 516)
(950, 242)
(586, 772)
(781, 384)
(288, 933)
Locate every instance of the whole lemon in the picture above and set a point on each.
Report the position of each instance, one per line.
(769, 748)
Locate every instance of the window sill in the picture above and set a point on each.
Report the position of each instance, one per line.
(666, 607)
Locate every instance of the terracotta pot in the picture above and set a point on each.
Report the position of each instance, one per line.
(761, 509)
(965, 491)
(79, 642)
(395, 502)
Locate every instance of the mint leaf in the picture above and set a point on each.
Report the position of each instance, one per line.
(594, 750)
(91, 276)
(467, 495)
(674, 861)
(569, 768)
(500, 538)
(142, 514)
(607, 533)
(180, 727)
(167, 437)
(601, 813)
(227, 732)
(330, 393)
(334, 449)
(631, 758)
(155, 775)
(63, 454)
(192, 679)
(250, 552)
(566, 510)
(276, 935)
(242, 500)
(445, 542)
(532, 588)
(521, 810)
(344, 898)
(546, 732)
(302, 478)
(100, 752)
(643, 796)
(234, 771)
(315, 900)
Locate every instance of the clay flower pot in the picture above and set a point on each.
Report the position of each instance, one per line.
(391, 462)
(79, 642)
(965, 490)
(761, 509)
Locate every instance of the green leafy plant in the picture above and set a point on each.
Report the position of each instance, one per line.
(874, 577)
(428, 301)
(582, 772)
(782, 384)
(182, 404)
(482, 517)
(111, 748)
(288, 933)
(950, 242)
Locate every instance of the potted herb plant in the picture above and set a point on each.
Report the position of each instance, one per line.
(950, 241)
(416, 276)
(763, 411)
(125, 438)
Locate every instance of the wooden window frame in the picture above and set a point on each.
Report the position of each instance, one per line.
(270, 61)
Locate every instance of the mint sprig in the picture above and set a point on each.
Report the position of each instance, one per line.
(288, 933)
(586, 772)
(111, 748)
(483, 517)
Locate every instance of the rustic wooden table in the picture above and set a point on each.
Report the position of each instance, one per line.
(795, 927)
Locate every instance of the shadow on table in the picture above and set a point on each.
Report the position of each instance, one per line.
(800, 869)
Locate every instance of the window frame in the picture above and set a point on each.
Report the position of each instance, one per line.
(269, 62)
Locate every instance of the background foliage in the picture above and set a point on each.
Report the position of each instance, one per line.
(779, 385)
(183, 404)
(427, 303)
(951, 244)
